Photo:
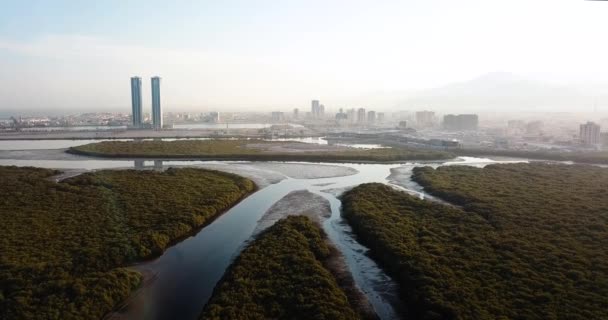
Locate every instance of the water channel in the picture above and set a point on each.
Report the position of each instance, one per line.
(183, 278)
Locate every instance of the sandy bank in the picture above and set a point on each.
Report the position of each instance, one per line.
(301, 202)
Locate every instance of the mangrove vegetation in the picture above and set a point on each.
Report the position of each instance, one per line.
(65, 246)
(281, 275)
(522, 241)
(254, 150)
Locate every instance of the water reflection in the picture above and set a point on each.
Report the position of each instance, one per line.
(139, 164)
(158, 165)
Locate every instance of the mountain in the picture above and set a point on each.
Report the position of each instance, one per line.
(499, 91)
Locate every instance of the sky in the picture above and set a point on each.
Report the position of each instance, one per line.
(267, 55)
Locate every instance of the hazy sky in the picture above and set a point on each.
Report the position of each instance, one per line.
(269, 54)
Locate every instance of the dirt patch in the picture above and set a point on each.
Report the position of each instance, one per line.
(301, 202)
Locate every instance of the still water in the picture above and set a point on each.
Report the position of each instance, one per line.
(186, 274)
(67, 143)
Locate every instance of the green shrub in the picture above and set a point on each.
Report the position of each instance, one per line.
(63, 245)
(281, 276)
(528, 241)
(242, 150)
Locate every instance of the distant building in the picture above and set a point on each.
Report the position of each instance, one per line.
(296, 113)
(361, 115)
(157, 113)
(402, 125)
(321, 111)
(460, 122)
(315, 109)
(371, 116)
(341, 117)
(604, 139)
(351, 115)
(425, 119)
(590, 133)
(380, 117)
(215, 117)
(136, 102)
(516, 124)
(534, 128)
(278, 116)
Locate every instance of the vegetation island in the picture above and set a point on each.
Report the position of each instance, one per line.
(521, 241)
(253, 150)
(283, 274)
(66, 245)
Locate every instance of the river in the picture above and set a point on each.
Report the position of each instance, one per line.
(185, 275)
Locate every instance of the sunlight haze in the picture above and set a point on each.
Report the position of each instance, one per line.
(259, 55)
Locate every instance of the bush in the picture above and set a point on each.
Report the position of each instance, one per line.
(281, 276)
(64, 245)
(528, 241)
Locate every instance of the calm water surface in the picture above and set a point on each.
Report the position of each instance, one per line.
(67, 143)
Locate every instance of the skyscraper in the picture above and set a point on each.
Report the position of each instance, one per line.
(157, 113)
(361, 115)
(136, 102)
(371, 116)
(425, 118)
(314, 109)
(590, 133)
(351, 115)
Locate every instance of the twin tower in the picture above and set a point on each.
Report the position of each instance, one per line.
(157, 113)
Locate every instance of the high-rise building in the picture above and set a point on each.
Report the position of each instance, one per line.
(371, 116)
(296, 113)
(341, 117)
(315, 109)
(321, 111)
(425, 118)
(534, 128)
(351, 115)
(380, 117)
(136, 102)
(604, 139)
(278, 116)
(460, 122)
(361, 115)
(590, 133)
(214, 117)
(157, 113)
